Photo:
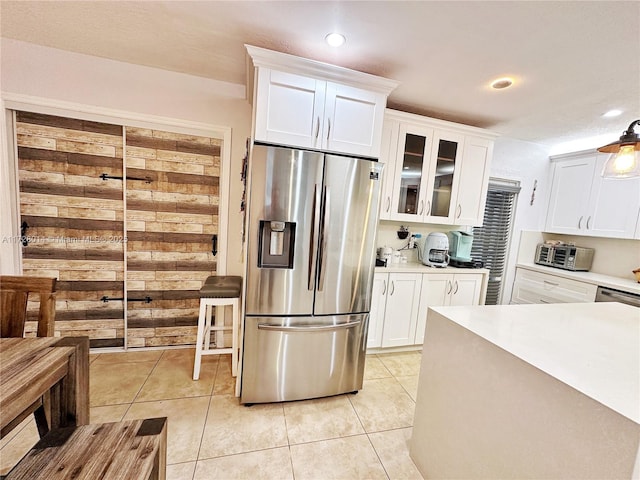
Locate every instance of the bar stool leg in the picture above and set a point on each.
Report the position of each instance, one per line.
(207, 328)
(234, 341)
(200, 339)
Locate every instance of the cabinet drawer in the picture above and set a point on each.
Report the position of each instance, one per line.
(536, 287)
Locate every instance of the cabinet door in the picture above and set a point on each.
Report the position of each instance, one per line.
(411, 170)
(613, 205)
(569, 198)
(376, 315)
(289, 109)
(401, 310)
(473, 180)
(353, 120)
(466, 289)
(388, 151)
(442, 182)
(434, 292)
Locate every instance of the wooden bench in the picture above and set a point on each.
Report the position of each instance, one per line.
(129, 450)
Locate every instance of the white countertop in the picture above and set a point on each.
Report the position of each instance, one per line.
(617, 283)
(592, 347)
(420, 268)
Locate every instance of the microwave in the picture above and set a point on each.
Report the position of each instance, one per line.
(567, 257)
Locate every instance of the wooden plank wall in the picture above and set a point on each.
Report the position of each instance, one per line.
(77, 228)
(75, 220)
(170, 224)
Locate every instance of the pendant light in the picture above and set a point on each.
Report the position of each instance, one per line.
(624, 161)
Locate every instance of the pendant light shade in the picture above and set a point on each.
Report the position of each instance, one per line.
(624, 161)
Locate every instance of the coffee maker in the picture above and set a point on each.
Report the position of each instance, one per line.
(460, 244)
(435, 250)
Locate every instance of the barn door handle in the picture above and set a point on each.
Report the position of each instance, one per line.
(214, 245)
(23, 234)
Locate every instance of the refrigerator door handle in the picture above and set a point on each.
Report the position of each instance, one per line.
(315, 215)
(323, 238)
(310, 328)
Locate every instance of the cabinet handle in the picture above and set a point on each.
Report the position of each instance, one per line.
(543, 301)
(317, 127)
(588, 220)
(388, 204)
(450, 287)
(384, 287)
(459, 211)
(421, 207)
(393, 287)
(580, 223)
(329, 128)
(428, 207)
(551, 283)
(456, 290)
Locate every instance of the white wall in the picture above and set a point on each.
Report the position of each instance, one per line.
(33, 70)
(526, 162)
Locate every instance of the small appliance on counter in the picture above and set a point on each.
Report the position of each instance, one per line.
(460, 250)
(565, 256)
(435, 250)
(460, 245)
(384, 256)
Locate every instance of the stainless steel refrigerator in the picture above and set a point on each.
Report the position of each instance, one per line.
(311, 254)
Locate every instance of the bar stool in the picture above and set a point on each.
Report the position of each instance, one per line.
(218, 291)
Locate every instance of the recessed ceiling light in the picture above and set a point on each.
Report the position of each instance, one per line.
(335, 39)
(501, 83)
(612, 113)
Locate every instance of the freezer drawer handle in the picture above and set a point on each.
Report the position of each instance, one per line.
(310, 328)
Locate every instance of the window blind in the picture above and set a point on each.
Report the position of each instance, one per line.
(491, 240)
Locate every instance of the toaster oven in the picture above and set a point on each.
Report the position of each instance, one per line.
(567, 257)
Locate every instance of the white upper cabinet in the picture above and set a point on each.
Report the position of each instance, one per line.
(288, 108)
(411, 169)
(308, 104)
(437, 172)
(352, 120)
(582, 202)
(473, 181)
(388, 151)
(443, 177)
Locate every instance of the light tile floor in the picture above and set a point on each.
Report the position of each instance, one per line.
(212, 436)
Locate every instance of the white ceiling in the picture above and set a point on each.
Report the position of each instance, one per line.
(572, 61)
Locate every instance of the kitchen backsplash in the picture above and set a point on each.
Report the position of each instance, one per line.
(613, 256)
(388, 236)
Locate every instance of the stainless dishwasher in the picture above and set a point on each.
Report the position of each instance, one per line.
(605, 294)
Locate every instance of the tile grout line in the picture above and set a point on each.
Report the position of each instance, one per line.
(206, 418)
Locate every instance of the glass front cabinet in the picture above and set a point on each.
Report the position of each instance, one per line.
(425, 174)
(426, 167)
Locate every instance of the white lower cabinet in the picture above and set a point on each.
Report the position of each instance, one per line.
(537, 287)
(446, 289)
(400, 302)
(376, 315)
(396, 309)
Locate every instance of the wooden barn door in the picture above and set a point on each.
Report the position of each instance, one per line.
(125, 219)
(172, 216)
(73, 220)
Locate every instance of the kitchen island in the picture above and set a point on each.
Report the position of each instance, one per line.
(529, 391)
